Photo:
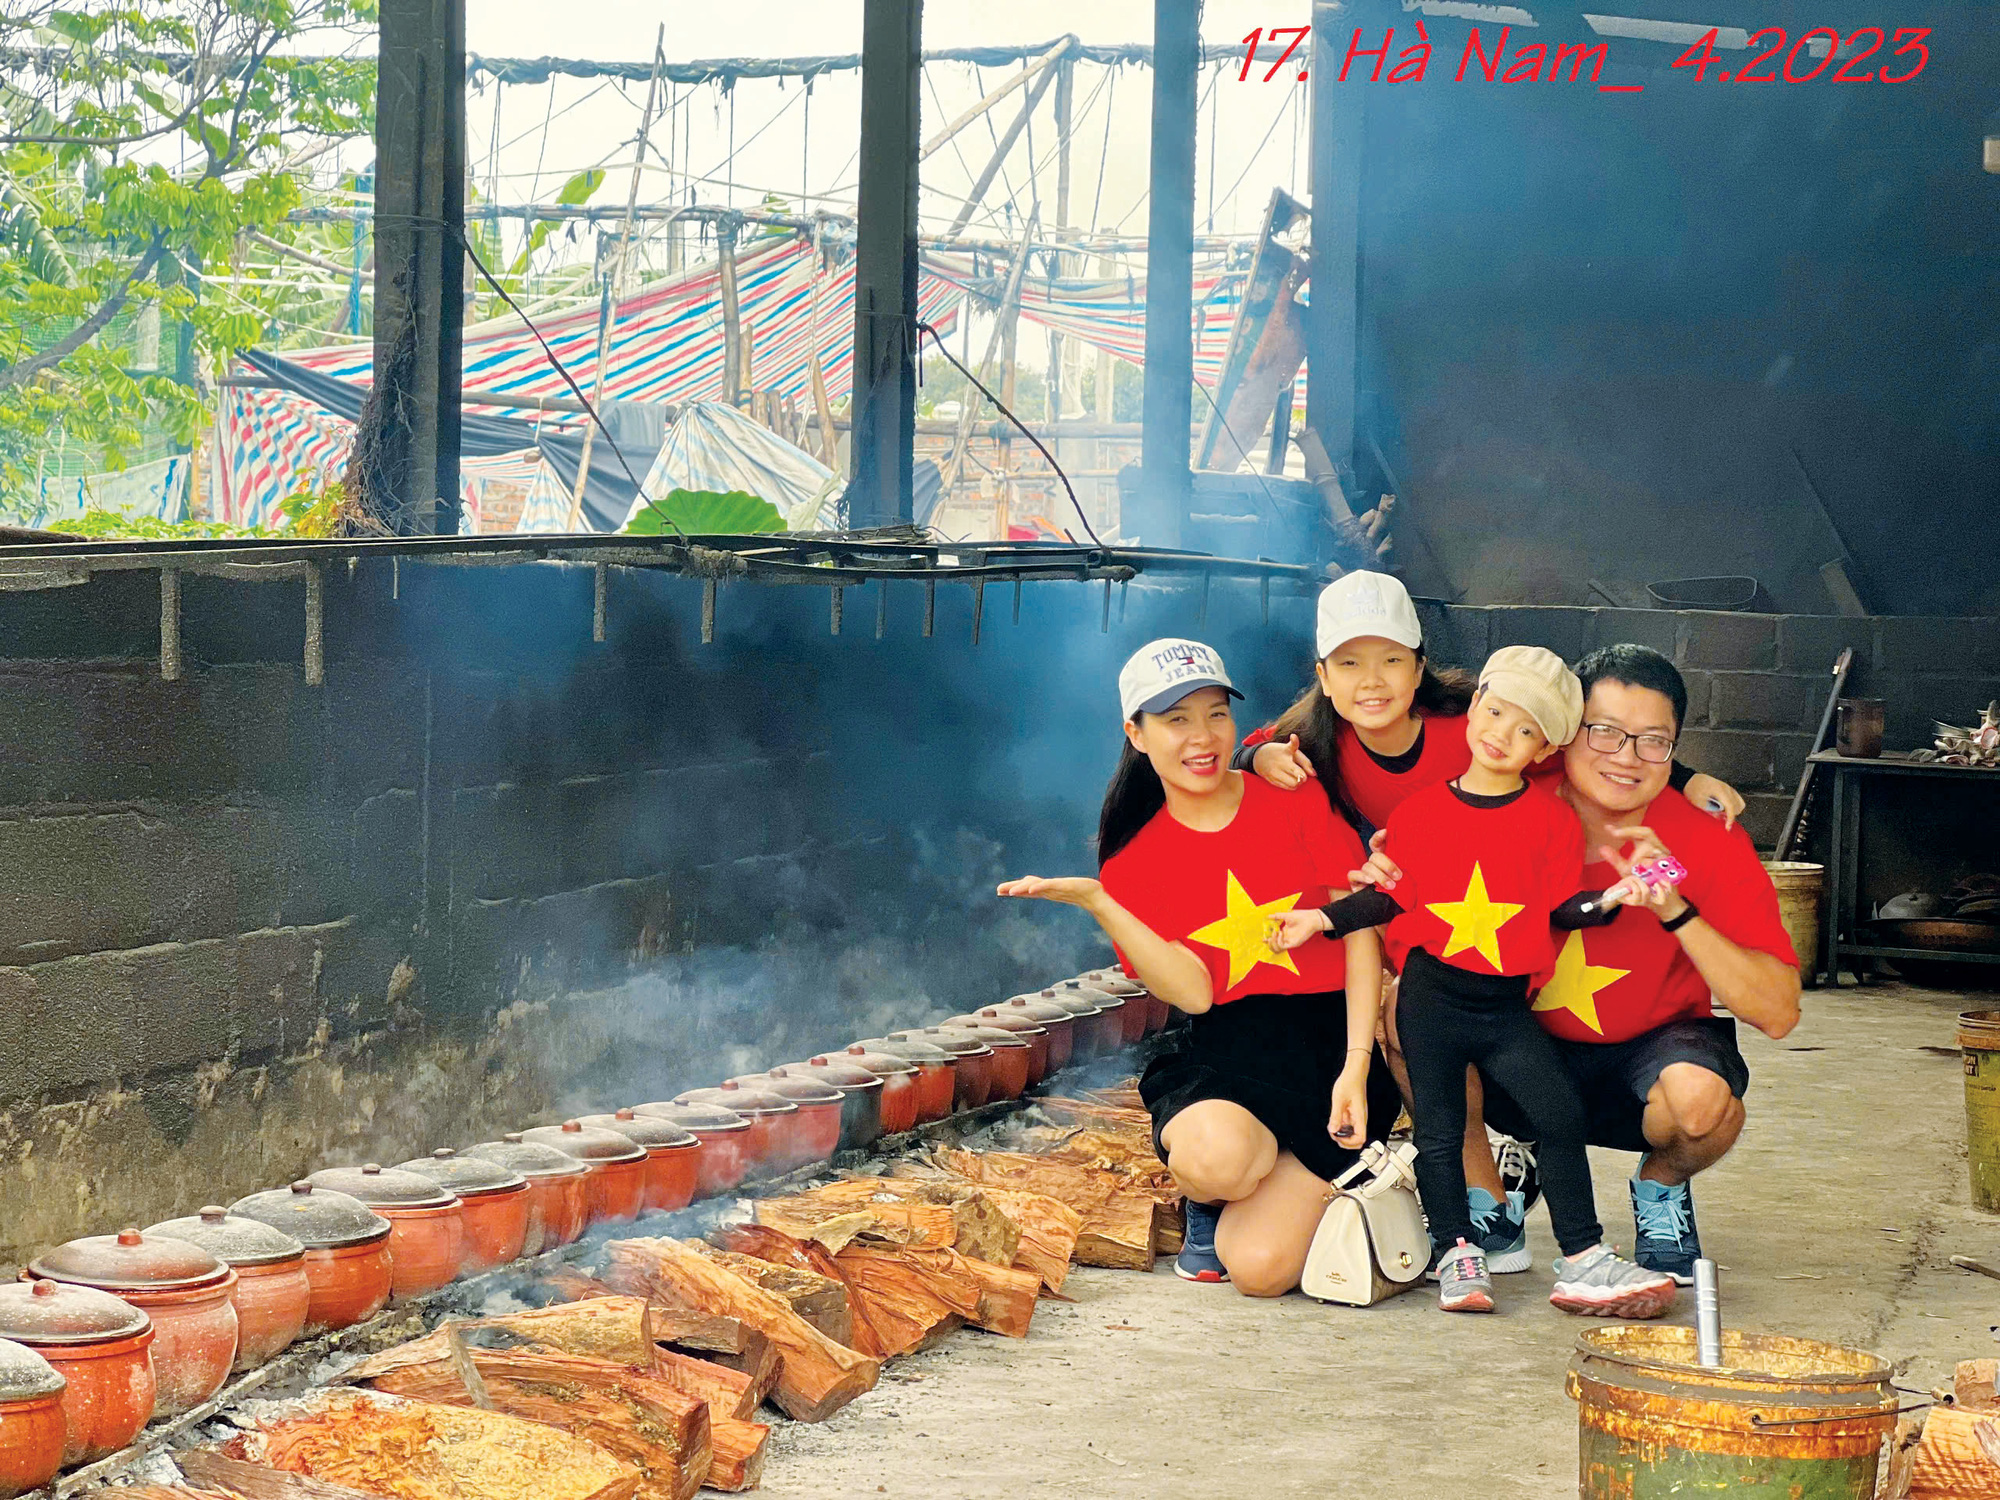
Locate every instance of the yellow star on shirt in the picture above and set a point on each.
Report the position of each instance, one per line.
(1476, 921)
(1240, 932)
(1575, 983)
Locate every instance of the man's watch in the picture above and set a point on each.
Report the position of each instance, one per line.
(1689, 911)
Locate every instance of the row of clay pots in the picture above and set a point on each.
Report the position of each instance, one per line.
(105, 1333)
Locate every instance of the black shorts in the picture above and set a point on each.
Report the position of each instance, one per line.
(1278, 1057)
(1615, 1077)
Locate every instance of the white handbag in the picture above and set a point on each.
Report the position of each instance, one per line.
(1371, 1242)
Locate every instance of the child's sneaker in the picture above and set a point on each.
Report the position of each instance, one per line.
(1668, 1240)
(1515, 1160)
(1600, 1284)
(1198, 1260)
(1502, 1231)
(1463, 1282)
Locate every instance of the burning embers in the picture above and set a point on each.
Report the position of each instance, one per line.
(665, 1351)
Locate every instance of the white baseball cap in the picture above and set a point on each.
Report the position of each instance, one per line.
(1161, 673)
(1358, 604)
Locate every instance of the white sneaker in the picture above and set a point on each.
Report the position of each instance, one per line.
(1601, 1284)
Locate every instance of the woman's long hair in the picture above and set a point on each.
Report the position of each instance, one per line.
(1134, 795)
(1441, 692)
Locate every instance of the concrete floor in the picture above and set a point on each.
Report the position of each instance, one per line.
(1835, 1219)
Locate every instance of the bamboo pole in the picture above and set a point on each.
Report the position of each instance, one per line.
(1009, 299)
(1029, 74)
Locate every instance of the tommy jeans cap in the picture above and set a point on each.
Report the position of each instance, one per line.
(1161, 673)
(1540, 683)
(1358, 604)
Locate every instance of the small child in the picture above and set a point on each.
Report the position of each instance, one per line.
(1490, 863)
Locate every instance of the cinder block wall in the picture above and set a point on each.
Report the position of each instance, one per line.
(1757, 684)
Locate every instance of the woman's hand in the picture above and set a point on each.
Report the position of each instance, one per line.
(1292, 928)
(1380, 870)
(1348, 1121)
(1070, 890)
(1713, 795)
(1283, 764)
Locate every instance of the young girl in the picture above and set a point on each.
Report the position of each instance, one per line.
(1377, 724)
(1271, 1092)
(1489, 862)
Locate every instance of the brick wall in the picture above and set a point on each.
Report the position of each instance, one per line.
(1757, 684)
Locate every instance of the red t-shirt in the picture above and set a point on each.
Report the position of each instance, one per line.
(1479, 882)
(1215, 891)
(1617, 981)
(1442, 754)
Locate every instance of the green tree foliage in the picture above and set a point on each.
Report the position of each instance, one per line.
(140, 142)
(706, 513)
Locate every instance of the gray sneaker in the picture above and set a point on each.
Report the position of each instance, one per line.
(1463, 1282)
(1601, 1284)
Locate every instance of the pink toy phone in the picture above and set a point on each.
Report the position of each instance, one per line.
(1666, 870)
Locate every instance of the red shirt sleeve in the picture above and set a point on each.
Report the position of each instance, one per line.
(1260, 736)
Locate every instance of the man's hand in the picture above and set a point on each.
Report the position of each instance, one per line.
(1715, 796)
(1379, 871)
(1663, 900)
(1070, 890)
(1292, 928)
(1283, 764)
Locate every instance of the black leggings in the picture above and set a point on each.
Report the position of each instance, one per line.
(1447, 1018)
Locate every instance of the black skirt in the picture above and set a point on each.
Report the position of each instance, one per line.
(1278, 1057)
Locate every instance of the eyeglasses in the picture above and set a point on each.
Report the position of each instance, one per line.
(1609, 739)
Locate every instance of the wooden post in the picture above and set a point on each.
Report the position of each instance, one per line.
(732, 315)
(419, 265)
(1002, 323)
(1335, 176)
(1167, 485)
(1065, 99)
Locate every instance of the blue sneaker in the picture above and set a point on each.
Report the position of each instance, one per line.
(1667, 1238)
(1197, 1260)
(1503, 1235)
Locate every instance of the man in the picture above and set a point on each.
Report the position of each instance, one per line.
(1640, 1008)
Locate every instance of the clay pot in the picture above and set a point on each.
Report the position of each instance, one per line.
(972, 1061)
(820, 1126)
(272, 1292)
(861, 1097)
(615, 1190)
(347, 1250)
(185, 1291)
(1012, 1056)
(102, 1348)
(32, 1429)
(558, 1205)
(493, 1205)
(774, 1145)
(1063, 1021)
(937, 1073)
(1047, 1029)
(900, 1097)
(1101, 1015)
(724, 1137)
(1138, 1012)
(672, 1153)
(426, 1224)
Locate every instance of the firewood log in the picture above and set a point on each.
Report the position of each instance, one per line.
(736, 1449)
(1956, 1460)
(420, 1450)
(1117, 1227)
(806, 1217)
(1049, 1229)
(980, 1228)
(903, 1308)
(820, 1300)
(598, 1328)
(1973, 1385)
(727, 1392)
(781, 1249)
(818, 1376)
(234, 1477)
(630, 1414)
(571, 1285)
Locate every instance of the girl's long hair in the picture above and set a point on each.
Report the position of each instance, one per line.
(1134, 795)
(1441, 692)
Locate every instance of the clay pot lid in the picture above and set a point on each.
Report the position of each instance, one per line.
(1035, 1008)
(382, 1187)
(129, 1261)
(836, 1071)
(653, 1134)
(1016, 1022)
(41, 1313)
(885, 1064)
(1077, 1002)
(700, 1119)
(746, 1101)
(467, 1176)
(233, 1239)
(318, 1218)
(1112, 984)
(530, 1160)
(910, 1049)
(802, 1090)
(961, 1040)
(25, 1375)
(586, 1142)
(993, 1037)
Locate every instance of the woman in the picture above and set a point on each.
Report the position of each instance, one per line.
(1275, 1086)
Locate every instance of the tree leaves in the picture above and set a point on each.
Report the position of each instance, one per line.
(706, 513)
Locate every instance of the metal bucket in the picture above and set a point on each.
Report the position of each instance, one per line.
(1801, 894)
(1782, 1419)
(1979, 1043)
